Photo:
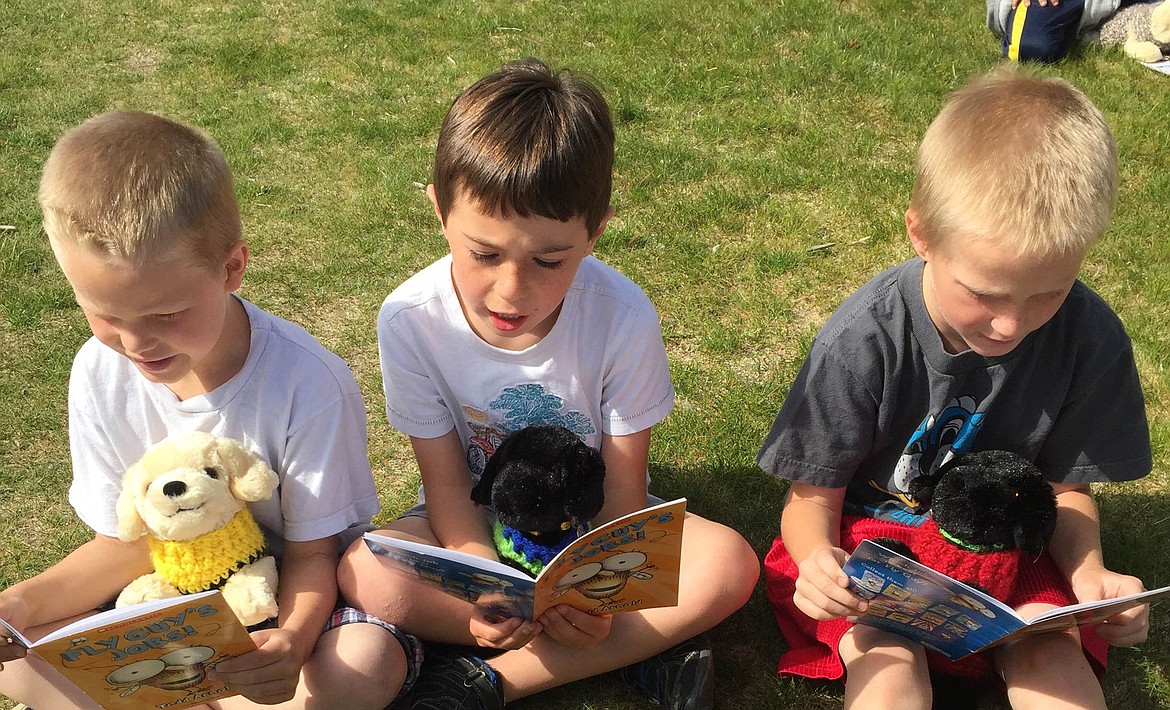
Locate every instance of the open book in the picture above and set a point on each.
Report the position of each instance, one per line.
(628, 564)
(955, 619)
(150, 655)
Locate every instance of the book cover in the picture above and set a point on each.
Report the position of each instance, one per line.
(952, 618)
(628, 564)
(151, 655)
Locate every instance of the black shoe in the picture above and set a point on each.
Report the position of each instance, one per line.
(679, 678)
(451, 680)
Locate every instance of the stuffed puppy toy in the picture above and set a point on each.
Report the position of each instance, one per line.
(987, 510)
(545, 485)
(187, 494)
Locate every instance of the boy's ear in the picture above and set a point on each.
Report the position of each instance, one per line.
(435, 203)
(235, 265)
(600, 228)
(915, 231)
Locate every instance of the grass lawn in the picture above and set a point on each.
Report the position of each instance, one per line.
(747, 133)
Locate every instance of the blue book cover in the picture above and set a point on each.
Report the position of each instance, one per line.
(952, 618)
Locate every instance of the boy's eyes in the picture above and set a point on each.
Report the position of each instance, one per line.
(483, 258)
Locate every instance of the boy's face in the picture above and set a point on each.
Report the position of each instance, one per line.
(511, 274)
(168, 318)
(983, 297)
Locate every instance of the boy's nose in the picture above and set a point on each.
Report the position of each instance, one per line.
(1009, 324)
(510, 283)
(135, 341)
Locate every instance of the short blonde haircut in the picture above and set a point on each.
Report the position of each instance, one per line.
(1024, 160)
(140, 188)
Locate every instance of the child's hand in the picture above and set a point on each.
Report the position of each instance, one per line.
(573, 627)
(10, 650)
(13, 611)
(1027, 3)
(822, 587)
(508, 633)
(268, 675)
(1128, 628)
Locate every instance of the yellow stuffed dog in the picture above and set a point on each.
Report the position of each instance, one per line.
(187, 494)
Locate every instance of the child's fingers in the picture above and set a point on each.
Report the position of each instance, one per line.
(823, 599)
(1126, 629)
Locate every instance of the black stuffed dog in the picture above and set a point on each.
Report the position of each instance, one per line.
(545, 485)
(987, 509)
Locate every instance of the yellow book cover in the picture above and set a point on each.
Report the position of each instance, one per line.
(628, 564)
(151, 655)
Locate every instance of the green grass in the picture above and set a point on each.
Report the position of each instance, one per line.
(747, 132)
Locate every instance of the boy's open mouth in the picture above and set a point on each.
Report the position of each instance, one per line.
(505, 322)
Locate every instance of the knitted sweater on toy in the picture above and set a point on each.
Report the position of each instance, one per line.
(207, 561)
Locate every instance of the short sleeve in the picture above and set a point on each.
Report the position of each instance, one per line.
(1101, 434)
(637, 391)
(414, 404)
(824, 428)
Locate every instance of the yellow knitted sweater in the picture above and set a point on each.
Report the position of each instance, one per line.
(207, 561)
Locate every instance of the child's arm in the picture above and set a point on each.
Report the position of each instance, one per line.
(90, 576)
(1076, 549)
(811, 529)
(307, 594)
(626, 458)
(457, 523)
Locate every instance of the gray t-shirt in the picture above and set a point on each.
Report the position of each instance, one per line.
(879, 400)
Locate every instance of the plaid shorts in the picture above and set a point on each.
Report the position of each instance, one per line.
(411, 646)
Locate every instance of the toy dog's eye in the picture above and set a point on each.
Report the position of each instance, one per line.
(211, 472)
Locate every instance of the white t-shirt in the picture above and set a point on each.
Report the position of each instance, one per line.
(294, 403)
(601, 369)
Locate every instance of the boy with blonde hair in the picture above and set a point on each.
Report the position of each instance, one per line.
(518, 325)
(142, 217)
(986, 340)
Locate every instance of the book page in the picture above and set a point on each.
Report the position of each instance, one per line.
(628, 564)
(1088, 612)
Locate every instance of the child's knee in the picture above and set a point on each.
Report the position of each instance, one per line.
(1033, 656)
(356, 666)
(728, 565)
(865, 642)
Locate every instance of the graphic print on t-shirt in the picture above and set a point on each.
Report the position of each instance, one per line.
(514, 409)
(939, 438)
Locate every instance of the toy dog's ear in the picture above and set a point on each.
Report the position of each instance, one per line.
(249, 477)
(481, 493)
(131, 526)
(922, 487)
(584, 484)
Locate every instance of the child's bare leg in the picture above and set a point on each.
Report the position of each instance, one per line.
(368, 584)
(1048, 671)
(883, 670)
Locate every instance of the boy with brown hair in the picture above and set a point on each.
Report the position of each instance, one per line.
(519, 325)
(986, 340)
(141, 215)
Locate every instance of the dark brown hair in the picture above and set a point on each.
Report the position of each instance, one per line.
(528, 140)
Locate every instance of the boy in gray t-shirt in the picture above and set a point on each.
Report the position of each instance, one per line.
(987, 340)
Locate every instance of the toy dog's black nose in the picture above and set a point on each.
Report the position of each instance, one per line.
(174, 488)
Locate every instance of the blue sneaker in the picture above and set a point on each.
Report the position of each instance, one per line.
(452, 680)
(679, 678)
